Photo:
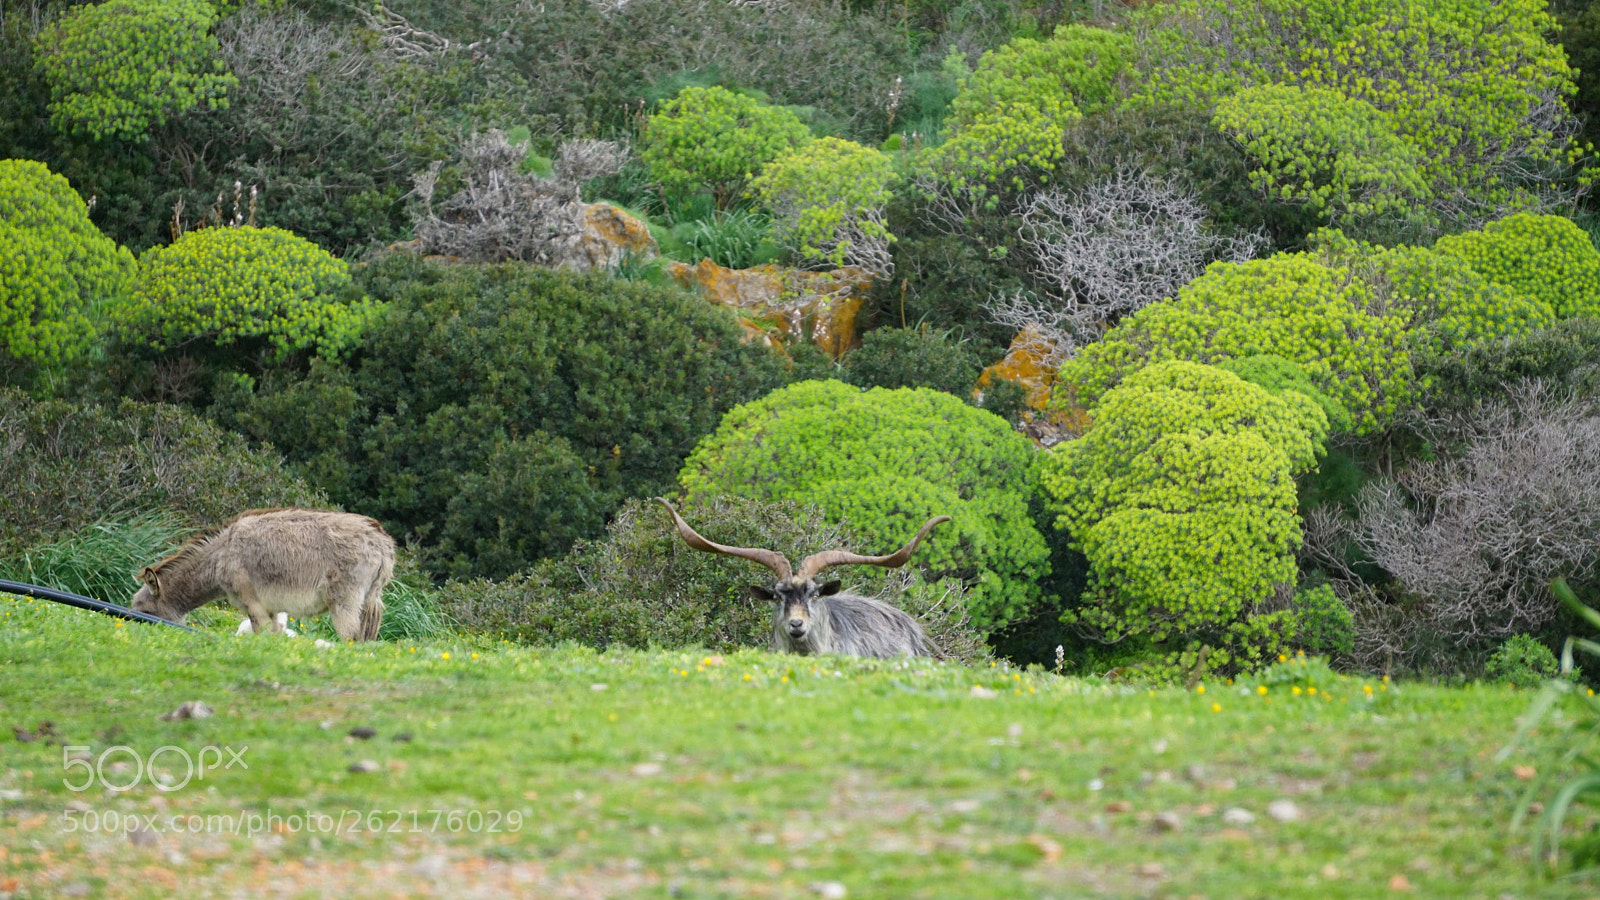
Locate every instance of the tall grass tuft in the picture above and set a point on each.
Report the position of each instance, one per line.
(1584, 785)
(101, 560)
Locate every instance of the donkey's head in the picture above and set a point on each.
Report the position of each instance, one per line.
(149, 598)
(797, 594)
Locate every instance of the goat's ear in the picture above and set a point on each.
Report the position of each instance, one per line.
(828, 589)
(761, 592)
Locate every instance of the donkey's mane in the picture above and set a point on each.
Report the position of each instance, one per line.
(200, 540)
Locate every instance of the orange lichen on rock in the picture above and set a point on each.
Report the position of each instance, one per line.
(1033, 362)
(778, 305)
(610, 234)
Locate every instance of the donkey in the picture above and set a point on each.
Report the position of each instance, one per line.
(275, 562)
(815, 619)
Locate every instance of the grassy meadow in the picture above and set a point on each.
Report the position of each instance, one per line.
(463, 770)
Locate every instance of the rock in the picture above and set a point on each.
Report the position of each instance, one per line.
(1167, 821)
(646, 769)
(140, 837)
(323, 645)
(609, 236)
(1032, 361)
(984, 693)
(403, 737)
(10, 794)
(778, 306)
(430, 867)
(829, 890)
(189, 709)
(363, 733)
(365, 765)
(1283, 810)
(1238, 817)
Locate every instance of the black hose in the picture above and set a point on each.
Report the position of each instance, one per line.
(82, 602)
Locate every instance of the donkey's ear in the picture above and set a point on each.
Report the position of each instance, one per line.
(761, 592)
(148, 575)
(829, 589)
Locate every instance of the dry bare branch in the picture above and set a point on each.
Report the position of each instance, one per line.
(1479, 536)
(1122, 243)
(505, 214)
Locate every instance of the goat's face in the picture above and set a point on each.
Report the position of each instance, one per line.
(797, 605)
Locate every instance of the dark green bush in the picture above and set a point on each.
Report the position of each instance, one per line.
(913, 357)
(1565, 355)
(68, 465)
(494, 414)
(641, 586)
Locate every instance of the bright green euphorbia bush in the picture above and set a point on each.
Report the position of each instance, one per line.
(718, 139)
(1182, 496)
(1548, 259)
(1013, 110)
(886, 461)
(1289, 305)
(827, 199)
(1338, 155)
(56, 269)
(1474, 85)
(225, 285)
(120, 68)
(1447, 304)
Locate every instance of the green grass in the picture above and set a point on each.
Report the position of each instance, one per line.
(656, 774)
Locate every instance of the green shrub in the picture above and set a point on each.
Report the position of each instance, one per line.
(1326, 625)
(1011, 113)
(828, 198)
(1289, 306)
(1523, 660)
(885, 461)
(1337, 154)
(57, 270)
(1276, 374)
(70, 465)
(1447, 305)
(122, 67)
(222, 286)
(641, 586)
(1565, 355)
(912, 358)
(719, 139)
(1182, 496)
(1548, 259)
(1475, 71)
(495, 413)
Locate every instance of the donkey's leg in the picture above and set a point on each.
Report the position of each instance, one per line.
(372, 601)
(243, 597)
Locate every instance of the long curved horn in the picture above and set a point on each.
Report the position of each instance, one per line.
(772, 559)
(816, 562)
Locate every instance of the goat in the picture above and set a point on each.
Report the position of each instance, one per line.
(814, 619)
(271, 562)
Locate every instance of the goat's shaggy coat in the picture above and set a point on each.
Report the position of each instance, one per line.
(302, 562)
(815, 619)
